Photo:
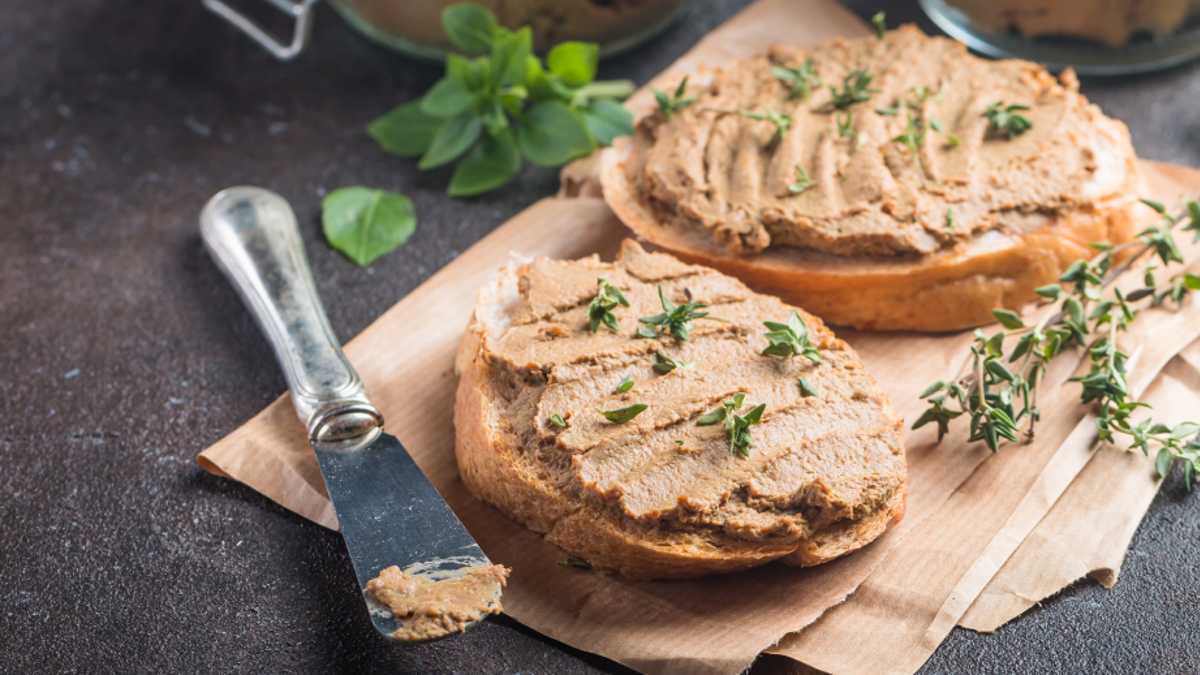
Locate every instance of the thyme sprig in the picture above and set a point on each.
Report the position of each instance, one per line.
(856, 88)
(785, 340)
(1007, 120)
(669, 104)
(998, 391)
(675, 320)
(737, 427)
(800, 80)
(600, 310)
(803, 181)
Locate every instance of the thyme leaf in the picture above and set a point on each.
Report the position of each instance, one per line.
(623, 415)
(669, 104)
(800, 81)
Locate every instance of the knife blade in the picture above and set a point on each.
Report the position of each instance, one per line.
(389, 513)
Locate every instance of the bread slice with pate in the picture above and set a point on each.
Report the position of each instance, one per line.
(894, 183)
(640, 415)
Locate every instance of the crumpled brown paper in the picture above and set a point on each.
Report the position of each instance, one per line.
(720, 624)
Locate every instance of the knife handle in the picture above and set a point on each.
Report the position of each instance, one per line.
(253, 236)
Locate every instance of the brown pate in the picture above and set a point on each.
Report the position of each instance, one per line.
(712, 170)
(428, 608)
(819, 467)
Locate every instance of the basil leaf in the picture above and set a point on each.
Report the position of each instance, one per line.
(510, 55)
(606, 119)
(406, 130)
(552, 135)
(469, 27)
(364, 223)
(447, 98)
(574, 62)
(451, 140)
(489, 165)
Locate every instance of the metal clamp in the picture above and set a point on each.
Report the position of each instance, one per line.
(301, 12)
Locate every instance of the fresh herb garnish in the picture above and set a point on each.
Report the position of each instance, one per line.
(623, 415)
(802, 183)
(790, 339)
(669, 105)
(738, 428)
(807, 389)
(663, 363)
(1007, 120)
(600, 310)
(489, 111)
(914, 135)
(856, 88)
(890, 111)
(364, 224)
(719, 414)
(1001, 400)
(949, 218)
(799, 81)
(674, 319)
(845, 125)
(556, 420)
(782, 122)
(879, 21)
(626, 385)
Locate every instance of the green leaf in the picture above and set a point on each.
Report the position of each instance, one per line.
(447, 98)
(451, 140)
(1156, 205)
(623, 415)
(932, 389)
(1162, 463)
(607, 119)
(1049, 291)
(626, 385)
(487, 166)
(1008, 318)
(364, 223)
(711, 417)
(557, 421)
(1191, 281)
(510, 56)
(406, 130)
(552, 135)
(807, 389)
(469, 27)
(574, 62)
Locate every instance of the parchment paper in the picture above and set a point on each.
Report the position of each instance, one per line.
(721, 624)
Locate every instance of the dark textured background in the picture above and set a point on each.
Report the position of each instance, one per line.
(123, 353)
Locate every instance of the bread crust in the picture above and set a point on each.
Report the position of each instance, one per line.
(491, 469)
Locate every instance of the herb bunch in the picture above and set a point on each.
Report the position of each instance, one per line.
(997, 389)
(785, 340)
(499, 105)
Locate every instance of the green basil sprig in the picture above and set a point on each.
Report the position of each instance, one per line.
(499, 104)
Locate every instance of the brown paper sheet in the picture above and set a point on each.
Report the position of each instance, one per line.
(716, 625)
(1110, 495)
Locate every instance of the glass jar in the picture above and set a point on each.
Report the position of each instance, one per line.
(1095, 37)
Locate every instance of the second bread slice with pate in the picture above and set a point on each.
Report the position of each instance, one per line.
(690, 485)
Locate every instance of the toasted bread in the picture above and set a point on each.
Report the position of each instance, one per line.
(660, 496)
(922, 227)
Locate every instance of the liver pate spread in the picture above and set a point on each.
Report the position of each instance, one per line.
(825, 456)
(428, 608)
(913, 169)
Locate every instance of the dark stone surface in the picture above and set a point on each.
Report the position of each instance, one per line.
(124, 353)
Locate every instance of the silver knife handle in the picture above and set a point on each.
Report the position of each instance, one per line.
(252, 234)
